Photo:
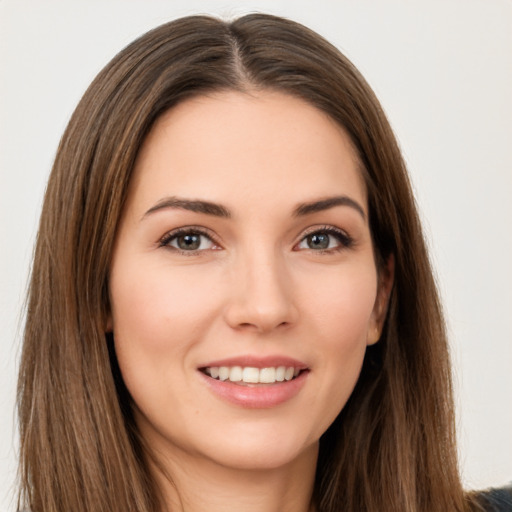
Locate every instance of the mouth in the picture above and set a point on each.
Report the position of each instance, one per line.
(255, 382)
(247, 375)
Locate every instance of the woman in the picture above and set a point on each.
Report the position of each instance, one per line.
(231, 303)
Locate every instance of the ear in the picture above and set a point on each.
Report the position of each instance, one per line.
(386, 278)
(108, 322)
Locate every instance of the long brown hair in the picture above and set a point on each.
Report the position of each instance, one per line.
(392, 447)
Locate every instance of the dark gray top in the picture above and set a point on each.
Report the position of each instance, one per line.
(497, 500)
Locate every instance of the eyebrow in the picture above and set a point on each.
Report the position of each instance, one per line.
(217, 210)
(193, 205)
(327, 203)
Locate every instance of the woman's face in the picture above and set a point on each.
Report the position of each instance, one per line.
(244, 252)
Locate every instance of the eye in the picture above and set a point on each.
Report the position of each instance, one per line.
(188, 240)
(325, 239)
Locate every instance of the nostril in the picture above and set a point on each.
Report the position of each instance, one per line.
(260, 310)
(261, 326)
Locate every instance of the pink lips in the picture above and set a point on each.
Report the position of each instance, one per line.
(257, 362)
(256, 396)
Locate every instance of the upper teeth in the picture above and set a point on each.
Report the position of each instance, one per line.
(252, 375)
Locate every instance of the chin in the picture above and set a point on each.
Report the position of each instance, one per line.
(264, 458)
(265, 449)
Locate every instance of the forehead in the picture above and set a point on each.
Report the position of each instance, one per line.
(232, 145)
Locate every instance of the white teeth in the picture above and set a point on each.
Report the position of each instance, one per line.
(268, 375)
(235, 374)
(251, 375)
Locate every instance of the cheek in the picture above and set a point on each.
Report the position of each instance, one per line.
(158, 314)
(342, 302)
(155, 305)
(340, 313)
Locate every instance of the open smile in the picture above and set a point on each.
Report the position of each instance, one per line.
(255, 383)
(252, 375)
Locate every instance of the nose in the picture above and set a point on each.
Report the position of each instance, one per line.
(262, 295)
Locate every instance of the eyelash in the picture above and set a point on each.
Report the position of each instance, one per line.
(345, 241)
(169, 237)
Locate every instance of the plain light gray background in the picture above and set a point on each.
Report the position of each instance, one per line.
(443, 71)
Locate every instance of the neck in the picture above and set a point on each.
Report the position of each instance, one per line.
(191, 484)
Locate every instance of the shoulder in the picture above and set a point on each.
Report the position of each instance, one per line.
(496, 500)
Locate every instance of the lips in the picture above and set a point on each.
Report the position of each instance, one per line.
(255, 382)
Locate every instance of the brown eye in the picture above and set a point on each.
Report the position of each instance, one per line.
(328, 239)
(318, 241)
(188, 241)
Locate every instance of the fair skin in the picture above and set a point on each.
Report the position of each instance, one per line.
(229, 259)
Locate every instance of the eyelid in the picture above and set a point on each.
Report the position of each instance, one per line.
(184, 230)
(346, 241)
